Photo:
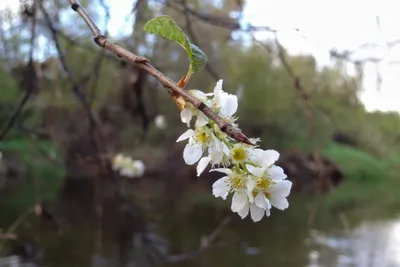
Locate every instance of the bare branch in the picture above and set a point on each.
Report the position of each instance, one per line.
(143, 63)
(192, 35)
(29, 76)
(206, 242)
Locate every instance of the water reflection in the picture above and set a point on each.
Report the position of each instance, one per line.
(371, 244)
(170, 233)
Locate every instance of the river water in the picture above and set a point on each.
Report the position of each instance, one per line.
(175, 236)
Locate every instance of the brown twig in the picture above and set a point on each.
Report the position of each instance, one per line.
(206, 242)
(30, 76)
(143, 63)
(96, 129)
(17, 223)
(192, 35)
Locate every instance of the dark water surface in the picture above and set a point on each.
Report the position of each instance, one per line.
(165, 233)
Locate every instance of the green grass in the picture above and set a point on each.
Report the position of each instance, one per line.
(370, 183)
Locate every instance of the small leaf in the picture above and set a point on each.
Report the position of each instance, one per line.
(198, 60)
(166, 27)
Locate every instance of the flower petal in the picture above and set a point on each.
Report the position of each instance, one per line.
(201, 119)
(139, 167)
(192, 153)
(221, 187)
(281, 189)
(202, 165)
(223, 170)
(243, 212)
(261, 201)
(280, 203)
(258, 172)
(186, 115)
(229, 106)
(189, 133)
(268, 212)
(199, 94)
(218, 87)
(276, 173)
(269, 157)
(215, 150)
(239, 199)
(256, 213)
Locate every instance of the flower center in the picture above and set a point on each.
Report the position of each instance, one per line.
(264, 183)
(238, 154)
(237, 182)
(203, 138)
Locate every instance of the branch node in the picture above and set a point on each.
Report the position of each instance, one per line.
(140, 59)
(100, 40)
(75, 7)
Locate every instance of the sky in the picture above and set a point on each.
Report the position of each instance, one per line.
(315, 27)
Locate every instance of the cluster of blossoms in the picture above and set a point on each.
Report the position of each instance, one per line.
(251, 176)
(127, 166)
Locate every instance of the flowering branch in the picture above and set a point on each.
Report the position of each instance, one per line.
(251, 175)
(143, 63)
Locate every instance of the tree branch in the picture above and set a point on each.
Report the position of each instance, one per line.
(30, 76)
(143, 63)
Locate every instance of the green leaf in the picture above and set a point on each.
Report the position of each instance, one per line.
(166, 27)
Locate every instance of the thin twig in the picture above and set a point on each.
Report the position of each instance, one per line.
(206, 242)
(97, 137)
(17, 223)
(29, 74)
(143, 63)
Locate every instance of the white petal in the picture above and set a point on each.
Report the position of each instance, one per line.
(256, 156)
(202, 165)
(269, 157)
(218, 87)
(201, 119)
(257, 172)
(261, 201)
(223, 170)
(199, 94)
(230, 105)
(281, 189)
(256, 213)
(250, 184)
(189, 133)
(243, 212)
(221, 187)
(281, 203)
(219, 94)
(225, 148)
(126, 172)
(186, 115)
(139, 167)
(216, 151)
(239, 199)
(268, 212)
(192, 153)
(276, 173)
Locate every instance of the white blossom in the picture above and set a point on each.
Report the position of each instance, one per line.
(199, 141)
(127, 166)
(237, 183)
(253, 179)
(160, 122)
(189, 111)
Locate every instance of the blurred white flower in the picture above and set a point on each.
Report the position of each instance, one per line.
(128, 167)
(160, 122)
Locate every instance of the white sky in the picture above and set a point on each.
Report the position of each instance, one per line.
(322, 24)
